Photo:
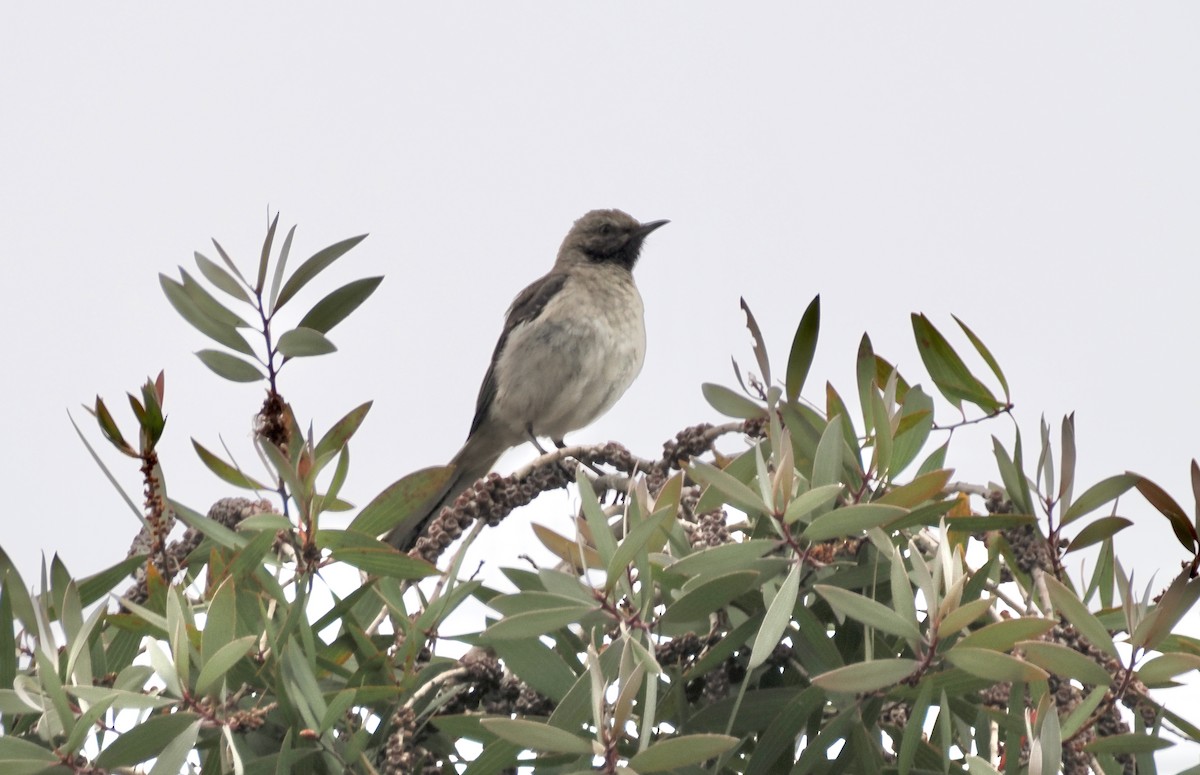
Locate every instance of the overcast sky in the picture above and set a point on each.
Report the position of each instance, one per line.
(1032, 168)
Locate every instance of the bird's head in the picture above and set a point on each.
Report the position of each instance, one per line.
(606, 236)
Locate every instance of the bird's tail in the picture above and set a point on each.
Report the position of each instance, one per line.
(472, 462)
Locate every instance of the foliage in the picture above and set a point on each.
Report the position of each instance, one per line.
(825, 599)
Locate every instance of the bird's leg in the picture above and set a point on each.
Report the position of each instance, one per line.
(533, 439)
(562, 445)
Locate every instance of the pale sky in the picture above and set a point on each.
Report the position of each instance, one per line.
(1032, 168)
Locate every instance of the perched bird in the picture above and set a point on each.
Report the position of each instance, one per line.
(572, 343)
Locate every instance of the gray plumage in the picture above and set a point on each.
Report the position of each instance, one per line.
(572, 343)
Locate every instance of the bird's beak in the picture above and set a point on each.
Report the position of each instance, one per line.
(650, 226)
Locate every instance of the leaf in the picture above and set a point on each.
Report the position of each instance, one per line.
(868, 611)
(229, 366)
(1064, 661)
(674, 752)
(224, 333)
(277, 277)
(224, 470)
(1127, 743)
(1174, 604)
(986, 355)
(100, 584)
(866, 676)
(146, 740)
(963, 615)
(220, 278)
(778, 616)
(338, 305)
(1185, 531)
(537, 736)
(723, 558)
(815, 499)
(265, 258)
(216, 666)
(1097, 495)
(534, 623)
(1076, 613)
(402, 501)
(734, 492)
(385, 561)
(729, 403)
(1002, 635)
(337, 436)
(1166, 666)
(107, 473)
(994, 665)
(804, 347)
(1097, 531)
(208, 304)
(852, 520)
(313, 266)
(538, 665)
(760, 348)
(708, 596)
(827, 463)
(925, 487)
(304, 343)
(949, 373)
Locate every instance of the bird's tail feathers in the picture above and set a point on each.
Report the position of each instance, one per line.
(472, 462)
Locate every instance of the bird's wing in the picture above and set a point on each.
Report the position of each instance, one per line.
(525, 308)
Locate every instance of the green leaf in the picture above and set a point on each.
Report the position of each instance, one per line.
(672, 753)
(827, 463)
(229, 366)
(1165, 667)
(1174, 604)
(402, 501)
(385, 561)
(925, 487)
(224, 470)
(216, 666)
(986, 355)
(537, 736)
(760, 348)
(1002, 635)
(1013, 474)
(265, 258)
(597, 521)
(538, 665)
(866, 676)
(280, 265)
(963, 615)
(100, 584)
(1070, 606)
(337, 436)
(868, 611)
(1099, 494)
(804, 347)
(534, 623)
(852, 520)
(708, 596)
(208, 304)
(723, 558)
(815, 499)
(191, 312)
(777, 619)
(1097, 531)
(338, 305)
(220, 278)
(315, 264)
(14, 749)
(146, 740)
(107, 473)
(734, 492)
(949, 373)
(1185, 531)
(1064, 661)
(729, 403)
(994, 665)
(1127, 743)
(304, 343)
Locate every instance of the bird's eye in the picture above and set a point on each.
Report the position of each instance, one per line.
(606, 228)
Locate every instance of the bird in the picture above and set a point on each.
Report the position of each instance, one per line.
(573, 342)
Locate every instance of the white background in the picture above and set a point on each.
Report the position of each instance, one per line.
(1033, 168)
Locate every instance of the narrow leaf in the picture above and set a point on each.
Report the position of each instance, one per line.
(338, 305)
(804, 347)
(315, 264)
(229, 366)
